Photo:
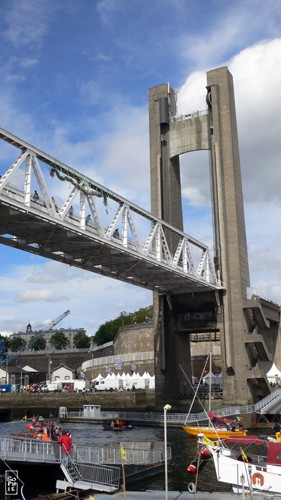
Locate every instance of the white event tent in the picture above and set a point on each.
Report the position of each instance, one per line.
(273, 375)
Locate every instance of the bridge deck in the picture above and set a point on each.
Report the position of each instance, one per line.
(124, 242)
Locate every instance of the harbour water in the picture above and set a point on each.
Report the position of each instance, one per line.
(183, 453)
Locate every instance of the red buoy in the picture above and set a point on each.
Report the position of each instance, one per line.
(191, 469)
(205, 453)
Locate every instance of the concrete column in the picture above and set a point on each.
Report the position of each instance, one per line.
(231, 255)
(170, 348)
(216, 131)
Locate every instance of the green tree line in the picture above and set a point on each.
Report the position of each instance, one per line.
(105, 333)
(108, 330)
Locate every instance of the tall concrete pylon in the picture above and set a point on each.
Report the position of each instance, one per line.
(227, 312)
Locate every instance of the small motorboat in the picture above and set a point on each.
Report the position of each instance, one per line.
(117, 425)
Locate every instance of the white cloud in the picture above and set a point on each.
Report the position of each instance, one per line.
(85, 294)
(27, 22)
(257, 82)
(231, 29)
(38, 295)
(107, 137)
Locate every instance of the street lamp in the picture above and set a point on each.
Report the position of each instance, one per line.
(49, 367)
(91, 351)
(166, 408)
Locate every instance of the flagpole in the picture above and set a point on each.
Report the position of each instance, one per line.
(245, 459)
(123, 458)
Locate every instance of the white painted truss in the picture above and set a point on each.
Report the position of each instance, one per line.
(48, 208)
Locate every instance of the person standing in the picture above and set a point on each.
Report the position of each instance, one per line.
(65, 441)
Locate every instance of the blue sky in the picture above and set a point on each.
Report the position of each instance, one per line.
(74, 82)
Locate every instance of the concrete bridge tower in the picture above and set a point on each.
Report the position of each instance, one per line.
(244, 346)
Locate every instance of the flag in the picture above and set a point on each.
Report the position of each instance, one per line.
(123, 454)
(207, 441)
(244, 456)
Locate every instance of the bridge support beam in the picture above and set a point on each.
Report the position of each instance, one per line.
(215, 131)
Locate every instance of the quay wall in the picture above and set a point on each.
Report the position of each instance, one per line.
(15, 406)
(18, 405)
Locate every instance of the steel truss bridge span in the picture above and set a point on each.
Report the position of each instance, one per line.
(50, 209)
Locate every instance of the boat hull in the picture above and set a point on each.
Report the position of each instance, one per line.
(212, 432)
(246, 476)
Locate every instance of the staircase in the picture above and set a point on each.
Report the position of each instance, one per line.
(266, 404)
(262, 407)
(86, 476)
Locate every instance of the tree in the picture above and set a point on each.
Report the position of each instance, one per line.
(59, 341)
(143, 315)
(4, 343)
(16, 343)
(108, 331)
(37, 343)
(81, 341)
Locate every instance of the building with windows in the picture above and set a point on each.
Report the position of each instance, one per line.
(29, 334)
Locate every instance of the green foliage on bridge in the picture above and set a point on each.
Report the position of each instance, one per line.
(108, 331)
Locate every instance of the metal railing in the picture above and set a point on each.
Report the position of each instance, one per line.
(15, 449)
(112, 455)
(182, 418)
(266, 403)
(194, 114)
(153, 417)
(99, 474)
(111, 360)
(29, 450)
(142, 235)
(32, 450)
(261, 407)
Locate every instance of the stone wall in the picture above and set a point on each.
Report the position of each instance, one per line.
(134, 338)
(199, 354)
(21, 404)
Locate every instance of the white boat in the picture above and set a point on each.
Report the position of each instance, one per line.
(248, 464)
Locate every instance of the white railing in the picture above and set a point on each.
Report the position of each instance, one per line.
(112, 455)
(126, 228)
(269, 401)
(152, 417)
(31, 450)
(194, 114)
(124, 358)
(97, 474)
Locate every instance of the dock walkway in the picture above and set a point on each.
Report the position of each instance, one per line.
(172, 419)
(97, 468)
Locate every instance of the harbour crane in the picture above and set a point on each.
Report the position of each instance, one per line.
(54, 322)
(33, 339)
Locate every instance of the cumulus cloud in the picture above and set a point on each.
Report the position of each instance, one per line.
(26, 23)
(257, 80)
(111, 146)
(38, 295)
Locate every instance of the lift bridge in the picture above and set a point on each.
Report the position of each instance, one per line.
(49, 209)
